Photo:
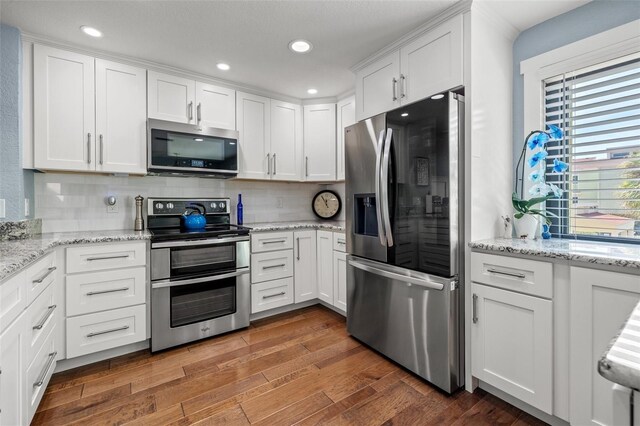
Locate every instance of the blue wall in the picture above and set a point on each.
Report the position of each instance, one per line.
(585, 21)
(15, 184)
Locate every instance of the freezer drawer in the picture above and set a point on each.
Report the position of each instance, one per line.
(411, 317)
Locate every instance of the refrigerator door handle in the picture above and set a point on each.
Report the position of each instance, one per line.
(426, 283)
(384, 177)
(379, 148)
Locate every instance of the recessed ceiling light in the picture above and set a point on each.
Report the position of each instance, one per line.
(312, 91)
(300, 46)
(436, 97)
(90, 31)
(222, 66)
(404, 114)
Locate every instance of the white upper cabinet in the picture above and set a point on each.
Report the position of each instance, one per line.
(171, 98)
(121, 112)
(64, 110)
(346, 116)
(286, 141)
(377, 87)
(320, 142)
(432, 63)
(215, 106)
(254, 121)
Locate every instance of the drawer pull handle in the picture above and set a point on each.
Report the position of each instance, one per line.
(282, 265)
(475, 308)
(118, 256)
(93, 293)
(46, 274)
(509, 274)
(282, 293)
(274, 242)
(40, 380)
(45, 318)
(113, 330)
(298, 242)
(341, 242)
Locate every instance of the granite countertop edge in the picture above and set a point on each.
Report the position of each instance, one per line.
(286, 226)
(612, 254)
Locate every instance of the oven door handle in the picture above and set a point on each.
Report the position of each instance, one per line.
(170, 283)
(207, 242)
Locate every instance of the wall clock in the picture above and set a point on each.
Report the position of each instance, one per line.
(326, 204)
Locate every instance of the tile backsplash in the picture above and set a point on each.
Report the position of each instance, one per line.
(75, 202)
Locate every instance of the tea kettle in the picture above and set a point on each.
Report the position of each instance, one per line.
(193, 217)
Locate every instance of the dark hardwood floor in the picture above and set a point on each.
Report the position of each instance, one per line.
(296, 368)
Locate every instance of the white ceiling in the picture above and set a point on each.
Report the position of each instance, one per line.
(252, 36)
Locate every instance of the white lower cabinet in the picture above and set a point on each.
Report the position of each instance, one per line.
(39, 373)
(325, 266)
(271, 294)
(601, 301)
(340, 280)
(305, 277)
(13, 363)
(271, 266)
(512, 339)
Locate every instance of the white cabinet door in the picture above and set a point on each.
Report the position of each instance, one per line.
(346, 116)
(601, 302)
(254, 122)
(512, 344)
(377, 87)
(286, 141)
(216, 106)
(63, 110)
(13, 363)
(432, 63)
(171, 98)
(325, 266)
(320, 142)
(340, 280)
(121, 118)
(305, 277)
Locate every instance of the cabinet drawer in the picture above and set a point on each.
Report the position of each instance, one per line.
(271, 294)
(105, 330)
(271, 266)
(271, 241)
(339, 242)
(40, 275)
(13, 299)
(39, 373)
(100, 291)
(99, 257)
(521, 275)
(40, 318)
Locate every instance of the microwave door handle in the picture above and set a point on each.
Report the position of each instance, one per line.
(379, 147)
(384, 187)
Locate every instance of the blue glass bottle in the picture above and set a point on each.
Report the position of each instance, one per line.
(239, 209)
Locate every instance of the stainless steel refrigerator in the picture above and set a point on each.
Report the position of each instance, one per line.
(404, 228)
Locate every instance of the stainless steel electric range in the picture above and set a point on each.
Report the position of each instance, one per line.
(200, 283)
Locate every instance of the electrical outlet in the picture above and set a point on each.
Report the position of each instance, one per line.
(112, 209)
(280, 202)
(27, 210)
(3, 213)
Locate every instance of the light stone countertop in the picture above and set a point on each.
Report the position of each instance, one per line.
(613, 254)
(332, 225)
(621, 362)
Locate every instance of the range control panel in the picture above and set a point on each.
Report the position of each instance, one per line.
(173, 206)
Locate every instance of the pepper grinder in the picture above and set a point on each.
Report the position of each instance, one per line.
(138, 224)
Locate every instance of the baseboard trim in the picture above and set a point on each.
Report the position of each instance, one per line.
(68, 364)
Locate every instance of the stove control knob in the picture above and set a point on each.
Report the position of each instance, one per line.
(223, 207)
(169, 205)
(214, 205)
(159, 206)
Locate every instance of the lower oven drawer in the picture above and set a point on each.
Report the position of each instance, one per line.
(105, 330)
(39, 373)
(271, 294)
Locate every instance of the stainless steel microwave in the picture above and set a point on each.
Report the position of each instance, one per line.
(191, 150)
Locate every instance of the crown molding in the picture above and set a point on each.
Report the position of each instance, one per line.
(488, 11)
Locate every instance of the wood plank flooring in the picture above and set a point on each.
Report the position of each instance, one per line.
(296, 368)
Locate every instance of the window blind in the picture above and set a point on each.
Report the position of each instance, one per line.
(598, 108)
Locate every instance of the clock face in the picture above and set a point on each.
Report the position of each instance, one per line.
(326, 204)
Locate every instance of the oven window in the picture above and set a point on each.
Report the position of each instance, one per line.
(186, 261)
(202, 302)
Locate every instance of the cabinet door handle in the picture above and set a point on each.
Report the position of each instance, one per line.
(45, 318)
(40, 380)
(274, 164)
(402, 86)
(46, 274)
(88, 148)
(509, 274)
(281, 265)
(298, 243)
(282, 293)
(115, 290)
(118, 256)
(101, 150)
(306, 166)
(268, 164)
(113, 330)
(190, 110)
(474, 308)
(394, 87)
(198, 112)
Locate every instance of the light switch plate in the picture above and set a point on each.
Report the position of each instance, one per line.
(3, 213)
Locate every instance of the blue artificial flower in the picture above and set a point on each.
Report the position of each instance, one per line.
(539, 190)
(536, 176)
(555, 132)
(537, 157)
(559, 166)
(557, 192)
(538, 140)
